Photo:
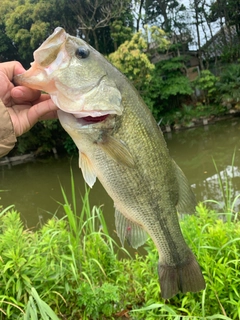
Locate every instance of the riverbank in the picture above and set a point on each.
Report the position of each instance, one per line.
(201, 121)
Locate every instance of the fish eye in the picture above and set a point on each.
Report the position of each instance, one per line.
(82, 52)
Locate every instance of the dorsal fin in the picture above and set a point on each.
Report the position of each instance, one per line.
(128, 230)
(186, 198)
(87, 169)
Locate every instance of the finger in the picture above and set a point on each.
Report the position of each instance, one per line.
(22, 94)
(11, 68)
(42, 110)
(43, 97)
(50, 116)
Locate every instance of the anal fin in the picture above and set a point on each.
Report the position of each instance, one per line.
(130, 231)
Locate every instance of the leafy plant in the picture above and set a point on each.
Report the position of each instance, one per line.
(228, 86)
(206, 82)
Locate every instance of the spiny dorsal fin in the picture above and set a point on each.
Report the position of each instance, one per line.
(126, 229)
(87, 169)
(117, 150)
(186, 198)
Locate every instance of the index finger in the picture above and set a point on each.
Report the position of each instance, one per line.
(11, 68)
(23, 94)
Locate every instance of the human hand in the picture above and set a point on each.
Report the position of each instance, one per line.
(25, 106)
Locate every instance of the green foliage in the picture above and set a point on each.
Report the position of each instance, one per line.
(228, 86)
(36, 303)
(120, 33)
(93, 300)
(207, 83)
(131, 60)
(28, 23)
(168, 87)
(62, 258)
(162, 85)
(133, 57)
(155, 38)
(188, 114)
(175, 83)
(45, 136)
(7, 48)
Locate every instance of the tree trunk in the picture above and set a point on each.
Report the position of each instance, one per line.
(95, 40)
(196, 3)
(139, 15)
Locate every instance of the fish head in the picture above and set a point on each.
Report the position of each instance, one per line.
(75, 75)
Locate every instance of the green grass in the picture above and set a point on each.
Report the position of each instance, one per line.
(69, 269)
(229, 212)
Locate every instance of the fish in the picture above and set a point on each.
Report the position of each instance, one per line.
(120, 143)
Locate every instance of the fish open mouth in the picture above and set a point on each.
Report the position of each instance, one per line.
(95, 119)
(92, 120)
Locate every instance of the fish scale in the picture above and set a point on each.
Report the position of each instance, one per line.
(121, 144)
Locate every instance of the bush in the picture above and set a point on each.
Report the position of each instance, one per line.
(228, 86)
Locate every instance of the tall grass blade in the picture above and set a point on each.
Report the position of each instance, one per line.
(45, 311)
(157, 306)
(73, 192)
(6, 210)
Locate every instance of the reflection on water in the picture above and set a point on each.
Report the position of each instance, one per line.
(221, 185)
(34, 187)
(195, 149)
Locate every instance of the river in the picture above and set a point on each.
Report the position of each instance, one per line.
(34, 187)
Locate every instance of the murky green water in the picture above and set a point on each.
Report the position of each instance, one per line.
(34, 187)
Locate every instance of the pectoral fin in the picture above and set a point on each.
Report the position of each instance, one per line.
(128, 230)
(87, 169)
(186, 198)
(117, 150)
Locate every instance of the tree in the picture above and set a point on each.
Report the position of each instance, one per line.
(29, 22)
(164, 13)
(173, 18)
(133, 57)
(163, 85)
(8, 51)
(228, 13)
(120, 33)
(93, 15)
(138, 6)
(197, 9)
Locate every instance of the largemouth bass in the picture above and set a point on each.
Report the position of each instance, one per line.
(120, 143)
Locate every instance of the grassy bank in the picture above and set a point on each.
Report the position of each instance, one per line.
(69, 269)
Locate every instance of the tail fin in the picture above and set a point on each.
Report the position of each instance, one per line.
(180, 278)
